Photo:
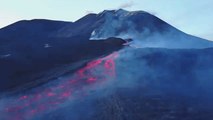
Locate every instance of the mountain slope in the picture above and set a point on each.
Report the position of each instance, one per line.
(144, 29)
(30, 47)
(31, 28)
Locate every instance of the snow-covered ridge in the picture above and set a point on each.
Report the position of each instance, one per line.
(120, 12)
(114, 21)
(120, 23)
(144, 29)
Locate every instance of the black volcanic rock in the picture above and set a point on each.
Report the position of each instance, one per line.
(26, 64)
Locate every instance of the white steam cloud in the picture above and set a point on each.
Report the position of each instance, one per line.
(128, 4)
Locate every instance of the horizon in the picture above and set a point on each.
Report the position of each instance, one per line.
(180, 14)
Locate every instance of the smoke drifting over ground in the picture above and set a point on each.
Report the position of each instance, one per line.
(124, 78)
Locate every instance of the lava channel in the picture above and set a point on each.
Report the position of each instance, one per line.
(45, 98)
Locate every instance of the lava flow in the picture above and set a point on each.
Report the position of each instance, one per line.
(45, 98)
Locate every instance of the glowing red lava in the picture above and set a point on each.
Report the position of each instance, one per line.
(47, 98)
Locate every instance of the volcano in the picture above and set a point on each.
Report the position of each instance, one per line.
(114, 65)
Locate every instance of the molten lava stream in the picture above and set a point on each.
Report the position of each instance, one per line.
(50, 97)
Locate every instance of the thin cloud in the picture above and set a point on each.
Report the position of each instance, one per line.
(128, 4)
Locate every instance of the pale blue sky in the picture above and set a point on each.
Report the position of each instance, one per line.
(191, 16)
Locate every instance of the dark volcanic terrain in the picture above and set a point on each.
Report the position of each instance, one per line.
(115, 65)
